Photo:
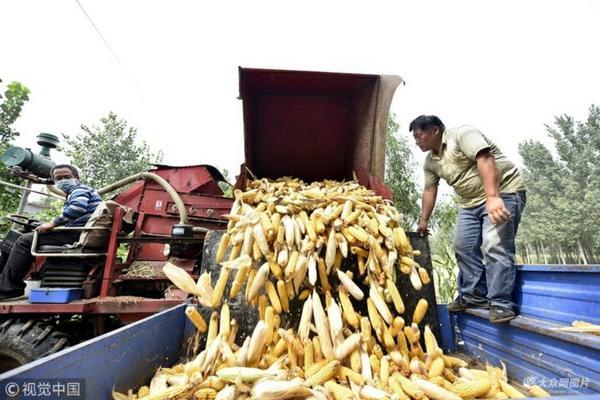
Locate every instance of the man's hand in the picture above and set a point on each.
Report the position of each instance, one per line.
(422, 228)
(497, 212)
(45, 227)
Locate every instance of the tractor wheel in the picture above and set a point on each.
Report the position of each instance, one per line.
(25, 340)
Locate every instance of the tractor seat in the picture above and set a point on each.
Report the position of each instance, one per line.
(90, 241)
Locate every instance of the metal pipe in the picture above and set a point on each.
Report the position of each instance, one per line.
(183, 216)
(27, 189)
(56, 191)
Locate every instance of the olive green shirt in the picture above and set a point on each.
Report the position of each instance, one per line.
(456, 164)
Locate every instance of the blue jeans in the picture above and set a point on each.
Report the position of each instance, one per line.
(485, 253)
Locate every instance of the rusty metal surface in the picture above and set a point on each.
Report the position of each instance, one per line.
(315, 125)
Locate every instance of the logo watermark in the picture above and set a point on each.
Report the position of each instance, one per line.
(49, 389)
(556, 384)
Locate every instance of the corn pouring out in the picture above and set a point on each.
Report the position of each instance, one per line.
(293, 243)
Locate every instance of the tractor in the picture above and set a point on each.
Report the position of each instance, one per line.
(161, 214)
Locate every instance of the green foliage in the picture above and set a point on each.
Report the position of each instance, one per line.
(107, 153)
(11, 106)
(563, 192)
(400, 174)
(443, 223)
(14, 98)
(225, 186)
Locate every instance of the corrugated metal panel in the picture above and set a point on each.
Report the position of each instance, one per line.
(123, 359)
(561, 293)
(563, 365)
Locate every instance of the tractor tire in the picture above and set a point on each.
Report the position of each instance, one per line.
(26, 340)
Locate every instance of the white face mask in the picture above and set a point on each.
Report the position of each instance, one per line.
(66, 185)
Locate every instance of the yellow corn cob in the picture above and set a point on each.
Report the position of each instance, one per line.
(196, 318)
(279, 348)
(420, 310)
(235, 252)
(262, 306)
(394, 384)
(289, 289)
(472, 389)
(537, 391)
(355, 360)
(238, 281)
(424, 276)
(318, 354)
(220, 287)
(269, 316)
(374, 361)
(377, 351)
(436, 369)
(213, 328)
(291, 265)
(225, 321)
(143, 391)
(384, 370)
(359, 234)
(430, 342)
(324, 374)
(259, 281)
(283, 297)
(205, 394)
(396, 298)
(454, 362)
(347, 373)
(292, 356)
(308, 355)
(338, 391)
(374, 317)
(449, 375)
(314, 368)
(350, 315)
(409, 387)
(365, 329)
(276, 270)
(273, 296)
(251, 276)
(222, 247)
(380, 304)
(511, 391)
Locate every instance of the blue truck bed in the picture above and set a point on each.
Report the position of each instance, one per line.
(564, 363)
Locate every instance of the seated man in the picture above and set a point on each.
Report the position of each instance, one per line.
(81, 202)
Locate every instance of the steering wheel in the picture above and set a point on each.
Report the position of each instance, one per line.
(29, 223)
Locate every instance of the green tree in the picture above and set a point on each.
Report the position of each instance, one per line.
(109, 152)
(563, 191)
(445, 268)
(11, 105)
(400, 173)
(14, 99)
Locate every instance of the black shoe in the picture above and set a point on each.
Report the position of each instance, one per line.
(499, 314)
(457, 305)
(461, 304)
(12, 296)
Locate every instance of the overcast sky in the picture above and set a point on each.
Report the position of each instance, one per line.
(505, 66)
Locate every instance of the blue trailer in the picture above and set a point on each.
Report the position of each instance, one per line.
(534, 352)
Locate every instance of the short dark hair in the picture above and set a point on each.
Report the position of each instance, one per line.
(426, 122)
(67, 166)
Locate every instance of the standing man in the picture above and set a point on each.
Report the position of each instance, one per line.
(80, 204)
(491, 197)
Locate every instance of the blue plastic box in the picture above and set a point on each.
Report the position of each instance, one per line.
(55, 295)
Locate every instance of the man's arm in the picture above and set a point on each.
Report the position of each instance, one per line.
(427, 205)
(490, 177)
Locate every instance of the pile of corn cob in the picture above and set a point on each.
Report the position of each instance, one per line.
(287, 242)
